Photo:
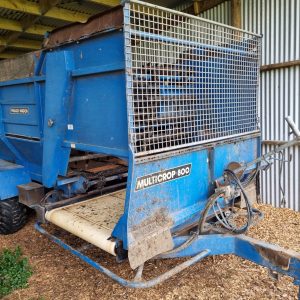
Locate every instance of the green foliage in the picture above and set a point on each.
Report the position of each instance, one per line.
(14, 271)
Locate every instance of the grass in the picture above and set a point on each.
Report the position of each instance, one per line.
(15, 271)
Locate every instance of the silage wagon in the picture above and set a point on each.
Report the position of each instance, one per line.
(139, 132)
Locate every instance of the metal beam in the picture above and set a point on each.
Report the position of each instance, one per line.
(26, 22)
(200, 6)
(10, 54)
(106, 2)
(35, 9)
(276, 66)
(13, 25)
(20, 43)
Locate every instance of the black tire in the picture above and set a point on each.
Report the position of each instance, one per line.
(13, 216)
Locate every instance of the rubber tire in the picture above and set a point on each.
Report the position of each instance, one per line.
(13, 216)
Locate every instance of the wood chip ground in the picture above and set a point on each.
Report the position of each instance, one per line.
(60, 275)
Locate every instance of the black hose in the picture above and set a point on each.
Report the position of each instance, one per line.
(211, 202)
(195, 234)
(214, 198)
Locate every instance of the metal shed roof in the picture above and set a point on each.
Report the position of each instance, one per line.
(23, 23)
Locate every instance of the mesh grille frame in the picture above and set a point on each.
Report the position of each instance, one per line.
(189, 81)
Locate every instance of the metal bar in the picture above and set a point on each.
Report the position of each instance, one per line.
(14, 25)
(187, 15)
(23, 80)
(86, 157)
(79, 198)
(265, 254)
(265, 156)
(132, 284)
(293, 126)
(98, 70)
(34, 9)
(20, 43)
(276, 66)
(268, 255)
(189, 43)
(106, 2)
(20, 123)
(99, 149)
(10, 54)
(275, 142)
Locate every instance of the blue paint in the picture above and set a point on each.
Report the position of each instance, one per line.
(11, 175)
(183, 199)
(76, 98)
(82, 84)
(203, 246)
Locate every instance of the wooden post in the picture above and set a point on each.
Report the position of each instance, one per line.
(236, 13)
(196, 8)
(200, 6)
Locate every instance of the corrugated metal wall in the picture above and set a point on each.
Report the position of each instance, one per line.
(279, 22)
(220, 13)
(183, 5)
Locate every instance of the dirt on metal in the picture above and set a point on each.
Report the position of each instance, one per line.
(60, 275)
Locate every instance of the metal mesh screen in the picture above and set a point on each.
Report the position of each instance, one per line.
(189, 80)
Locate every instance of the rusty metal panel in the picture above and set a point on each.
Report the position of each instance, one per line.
(22, 66)
(111, 19)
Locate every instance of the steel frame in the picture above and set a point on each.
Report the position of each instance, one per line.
(267, 255)
(169, 57)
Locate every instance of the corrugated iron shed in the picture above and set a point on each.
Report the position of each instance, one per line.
(279, 23)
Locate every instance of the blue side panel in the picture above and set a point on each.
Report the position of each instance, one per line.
(242, 152)
(11, 175)
(5, 153)
(58, 89)
(98, 115)
(98, 102)
(101, 50)
(179, 201)
(79, 84)
(20, 97)
(32, 153)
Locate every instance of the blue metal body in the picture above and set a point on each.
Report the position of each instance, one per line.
(69, 84)
(76, 99)
(80, 89)
(273, 257)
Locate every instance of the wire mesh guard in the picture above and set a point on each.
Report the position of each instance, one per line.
(189, 80)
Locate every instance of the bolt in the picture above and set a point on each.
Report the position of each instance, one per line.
(50, 122)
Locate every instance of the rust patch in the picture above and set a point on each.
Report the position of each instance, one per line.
(111, 19)
(277, 258)
(20, 67)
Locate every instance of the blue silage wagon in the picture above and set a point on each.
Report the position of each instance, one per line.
(138, 132)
